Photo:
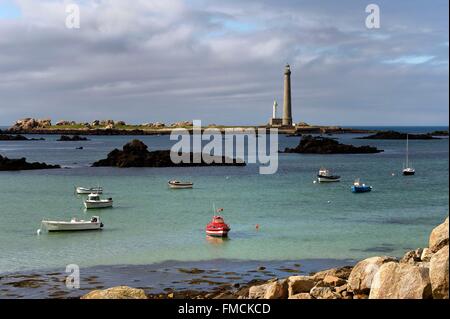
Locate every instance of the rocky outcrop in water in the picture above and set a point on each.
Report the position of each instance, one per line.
(393, 135)
(74, 138)
(7, 137)
(439, 133)
(136, 154)
(322, 145)
(20, 164)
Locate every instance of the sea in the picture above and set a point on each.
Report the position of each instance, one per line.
(150, 224)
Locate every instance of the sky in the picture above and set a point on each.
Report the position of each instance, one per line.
(222, 61)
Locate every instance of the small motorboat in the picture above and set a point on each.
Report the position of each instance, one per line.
(359, 187)
(73, 225)
(94, 201)
(325, 176)
(90, 190)
(180, 185)
(217, 227)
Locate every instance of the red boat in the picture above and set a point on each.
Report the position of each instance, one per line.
(217, 227)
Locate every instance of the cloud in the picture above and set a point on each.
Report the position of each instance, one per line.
(222, 62)
(411, 59)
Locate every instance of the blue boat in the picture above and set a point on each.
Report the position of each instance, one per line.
(360, 188)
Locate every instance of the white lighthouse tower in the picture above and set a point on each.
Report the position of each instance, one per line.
(275, 106)
(275, 121)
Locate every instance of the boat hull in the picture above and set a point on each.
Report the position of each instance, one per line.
(87, 191)
(217, 233)
(361, 189)
(328, 179)
(61, 226)
(102, 204)
(180, 186)
(408, 173)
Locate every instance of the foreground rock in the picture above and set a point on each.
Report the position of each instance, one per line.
(75, 138)
(277, 289)
(300, 284)
(7, 137)
(360, 279)
(135, 154)
(439, 274)
(439, 237)
(401, 281)
(7, 164)
(122, 292)
(342, 273)
(321, 145)
(393, 135)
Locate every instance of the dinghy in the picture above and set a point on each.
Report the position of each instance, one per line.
(359, 187)
(73, 225)
(90, 190)
(180, 185)
(94, 201)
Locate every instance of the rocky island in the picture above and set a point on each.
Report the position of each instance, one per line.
(439, 133)
(393, 135)
(74, 138)
(136, 154)
(7, 137)
(111, 127)
(322, 145)
(20, 164)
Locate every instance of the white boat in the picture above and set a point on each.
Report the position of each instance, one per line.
(179, 185)
(408, 169)
(325, 176)
(94, 201)
(73, 225)
(90, 190)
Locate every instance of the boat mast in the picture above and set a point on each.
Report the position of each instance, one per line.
(407, 150)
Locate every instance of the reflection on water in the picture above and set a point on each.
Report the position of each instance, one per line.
(217, 240)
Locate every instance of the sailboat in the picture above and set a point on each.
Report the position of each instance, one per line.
(408, 170)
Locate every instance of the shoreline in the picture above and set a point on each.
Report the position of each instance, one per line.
(420, 274)
(186, 278)
(167, 131)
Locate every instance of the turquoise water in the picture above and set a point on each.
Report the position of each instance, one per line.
(151, 223)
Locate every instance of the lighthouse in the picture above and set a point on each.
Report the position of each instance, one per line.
(286, 119)
(287, 105)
